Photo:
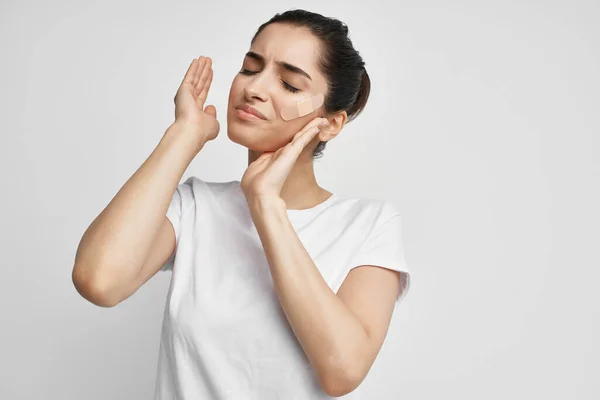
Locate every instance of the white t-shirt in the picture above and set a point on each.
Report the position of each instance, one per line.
(224, 333)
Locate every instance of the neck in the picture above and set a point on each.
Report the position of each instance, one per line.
(300, 190)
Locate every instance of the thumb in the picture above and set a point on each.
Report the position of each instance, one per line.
(211, 110)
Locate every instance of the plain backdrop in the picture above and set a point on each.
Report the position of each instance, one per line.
(482, 128)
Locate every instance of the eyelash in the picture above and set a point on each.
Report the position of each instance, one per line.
(286, 85)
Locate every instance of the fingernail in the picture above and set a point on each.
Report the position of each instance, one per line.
(324, 122)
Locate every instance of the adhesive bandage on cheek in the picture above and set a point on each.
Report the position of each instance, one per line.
(302, 108)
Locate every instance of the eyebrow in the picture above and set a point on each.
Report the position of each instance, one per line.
(283, 64)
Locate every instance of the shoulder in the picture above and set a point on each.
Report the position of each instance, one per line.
(196, 183)
(372, 212)
(209, 195)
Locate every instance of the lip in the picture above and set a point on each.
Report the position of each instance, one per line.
(252, 111)
(244, 116)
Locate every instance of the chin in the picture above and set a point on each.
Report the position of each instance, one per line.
(234, 137)
(252, 143)
(251, 139)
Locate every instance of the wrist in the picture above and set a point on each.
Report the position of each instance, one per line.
(185, 135)
(263, 205)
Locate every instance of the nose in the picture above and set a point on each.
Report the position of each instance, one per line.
(255, 89)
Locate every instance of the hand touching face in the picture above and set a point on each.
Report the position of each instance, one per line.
(279, 71)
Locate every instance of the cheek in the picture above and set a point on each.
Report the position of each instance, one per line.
(286, 102)
(284, 131)
(297, 123)
(235, 96)
(235, 88)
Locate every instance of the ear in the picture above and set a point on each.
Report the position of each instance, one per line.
(336, 123)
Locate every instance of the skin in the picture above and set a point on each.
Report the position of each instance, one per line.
(265, 92)
(341, 333)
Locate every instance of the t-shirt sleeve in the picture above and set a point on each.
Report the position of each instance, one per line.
(384, 248)
(182, 199)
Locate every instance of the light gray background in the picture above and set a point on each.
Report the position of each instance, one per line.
(482, 127)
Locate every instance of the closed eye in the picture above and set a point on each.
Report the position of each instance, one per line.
(286, 85)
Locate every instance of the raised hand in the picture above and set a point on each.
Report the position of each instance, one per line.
(190, 98)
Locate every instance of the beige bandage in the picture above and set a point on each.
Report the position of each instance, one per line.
(302, 108)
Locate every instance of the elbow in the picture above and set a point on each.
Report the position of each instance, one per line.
(91, 291)
(340, 382)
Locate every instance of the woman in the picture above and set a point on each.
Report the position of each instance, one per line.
(279, 288)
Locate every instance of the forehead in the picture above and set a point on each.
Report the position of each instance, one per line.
(291, 44)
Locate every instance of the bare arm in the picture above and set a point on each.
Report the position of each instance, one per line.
(341, 334)
(124, 237)
(116, 244)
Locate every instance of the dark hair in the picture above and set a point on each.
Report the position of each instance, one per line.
(343, 67)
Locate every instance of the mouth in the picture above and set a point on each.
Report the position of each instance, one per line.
(249, 113)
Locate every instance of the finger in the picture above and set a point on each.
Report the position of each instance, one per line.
(204, 92)
(291, 151)
(189, 75)
(260, 160)
(204, 73)
(304, 139)
(211, 110)
(201, 62)
(264, 156)
(315, 122)
(202, 81)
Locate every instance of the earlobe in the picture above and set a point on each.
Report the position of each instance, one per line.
(327, 133)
